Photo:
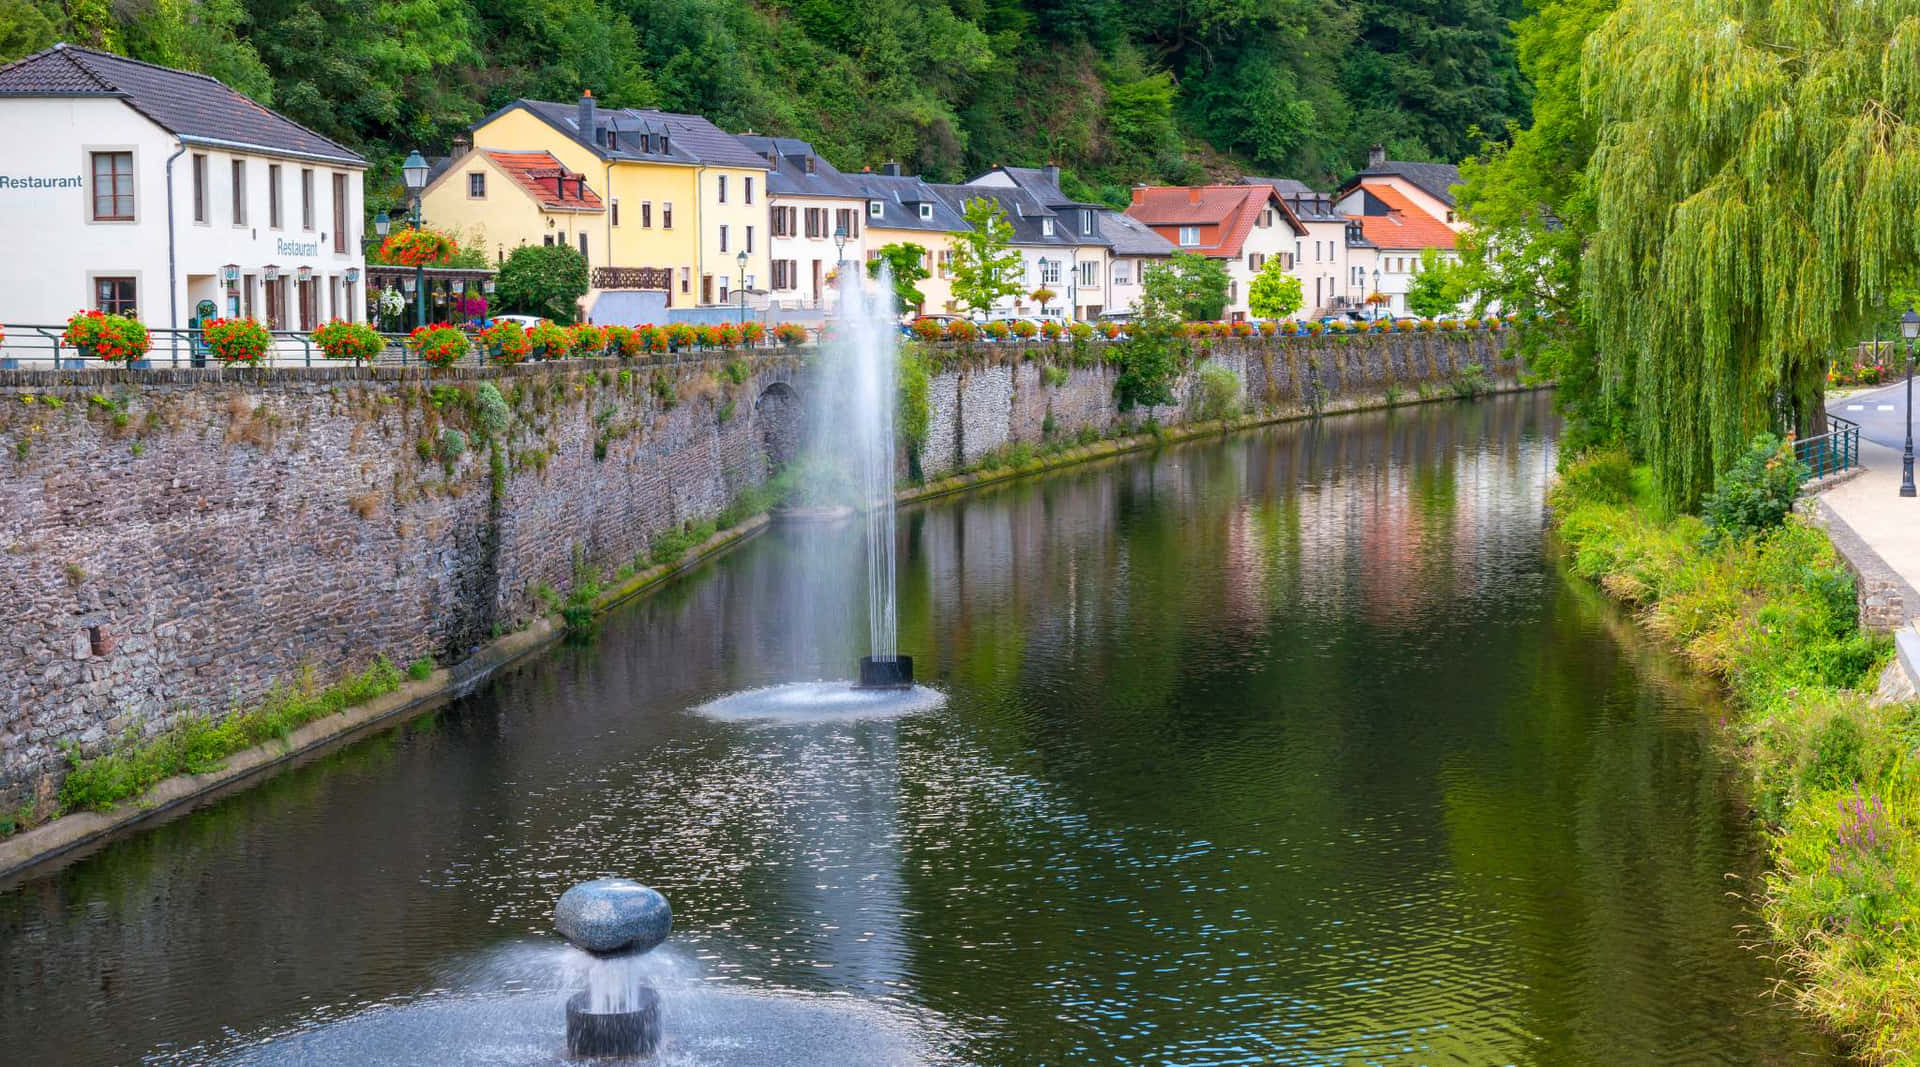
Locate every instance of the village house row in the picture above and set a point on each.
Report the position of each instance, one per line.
(141, 188)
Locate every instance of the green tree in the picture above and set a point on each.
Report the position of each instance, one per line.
(1186, 288)
(24, 29)
(985, 266)
(1754, 176)
(545, 280)
(1435, 289)
(1528, 199)
(1274, 293)
(908, 266)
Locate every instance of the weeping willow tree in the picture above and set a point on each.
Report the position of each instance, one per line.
(1756, 175)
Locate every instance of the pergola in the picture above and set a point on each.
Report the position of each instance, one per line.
(444, 285)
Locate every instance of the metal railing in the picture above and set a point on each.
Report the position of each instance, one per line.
(39, 347)
(1832, 452)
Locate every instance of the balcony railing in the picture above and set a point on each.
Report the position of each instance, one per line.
(1832, 452)
(658, 278)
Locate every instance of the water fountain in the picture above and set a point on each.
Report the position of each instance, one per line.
(616, 921)
(848, 462)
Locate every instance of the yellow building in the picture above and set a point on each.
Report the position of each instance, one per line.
(902, 209)
(503, 200)
(681, 195)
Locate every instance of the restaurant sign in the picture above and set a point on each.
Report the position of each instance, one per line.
(35, 181)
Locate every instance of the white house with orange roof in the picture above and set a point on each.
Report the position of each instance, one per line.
(1402, 210)
(1242, 226)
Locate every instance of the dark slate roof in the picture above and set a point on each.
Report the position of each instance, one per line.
(901, 196)
(193, 107)
(788, 156)
(690, 139)
(1288, 187)
(1437, 179)
(1308, 205)
(1128, 236)
(1024, 211)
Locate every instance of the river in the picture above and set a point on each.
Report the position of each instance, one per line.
(1289, 747)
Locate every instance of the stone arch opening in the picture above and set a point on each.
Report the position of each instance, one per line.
(782, 424)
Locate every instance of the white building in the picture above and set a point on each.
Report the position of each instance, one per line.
(1133, 248)
(1402, 210)
(135, 188)
(816, 217)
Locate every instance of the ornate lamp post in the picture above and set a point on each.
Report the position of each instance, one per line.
(840, 239)
(1910, 329)
(742, 289)
(1376, 291)
(414, 173)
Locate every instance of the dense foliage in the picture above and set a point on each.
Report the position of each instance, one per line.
(905, 264)
(1275, 293)
(1132, 92)
(1757, 493)
(985, 268)
(545, 280)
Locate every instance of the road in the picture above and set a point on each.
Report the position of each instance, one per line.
(1881, 413)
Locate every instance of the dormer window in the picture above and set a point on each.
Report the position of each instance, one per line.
(875, 207)
(1046, 227)
(1086, 221)
(613, 140)
(926, 211)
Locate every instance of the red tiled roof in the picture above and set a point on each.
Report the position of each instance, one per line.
(1232, 208)
(534, 172)
(1406, 227)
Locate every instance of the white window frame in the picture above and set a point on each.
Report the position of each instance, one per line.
(875, 208)
(1189, 237)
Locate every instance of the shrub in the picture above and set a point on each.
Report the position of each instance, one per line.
(587, 340)
(439, 346)
(356, 341)
(1602, 476)
(548, 340)
(1219, 394)
(114, 338)
(1757, 492)
(1470, 381)
(236, 340)
(1055, 376)
(505, 342)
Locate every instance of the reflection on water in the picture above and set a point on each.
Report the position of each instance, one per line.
(1287, 748)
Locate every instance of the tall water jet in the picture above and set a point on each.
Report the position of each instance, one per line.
(862, 359)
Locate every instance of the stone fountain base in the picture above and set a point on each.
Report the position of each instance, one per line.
(592, 1035)
(896, 673)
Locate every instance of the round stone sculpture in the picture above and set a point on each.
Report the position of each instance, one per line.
(613, 915)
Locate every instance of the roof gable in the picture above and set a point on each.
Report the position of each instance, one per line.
(1233, 208)
(691, 140)
(1435, 179)
(1402, 224)
(193, 107)
(534, 174)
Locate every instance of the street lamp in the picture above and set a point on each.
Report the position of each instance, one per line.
(742, 260)
(1910, 329)
(413, 171)
(1376, 291)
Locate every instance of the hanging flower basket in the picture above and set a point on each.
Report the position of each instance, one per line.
(356, 341)
(438, 346)
(112, 338)
(791, 334)
(418, 248)
(681, 336)
(505, 342)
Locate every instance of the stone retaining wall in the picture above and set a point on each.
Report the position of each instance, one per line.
(176, 543)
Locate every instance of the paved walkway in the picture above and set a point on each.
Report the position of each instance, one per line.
(1869, 506)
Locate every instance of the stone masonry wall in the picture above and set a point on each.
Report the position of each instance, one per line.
(176, 543)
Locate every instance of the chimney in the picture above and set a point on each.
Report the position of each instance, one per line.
(584, 117)
(1376, 157)
(1053, 174)
(1139, 191)
(890, 169)
(1193, 194)
(462, 144)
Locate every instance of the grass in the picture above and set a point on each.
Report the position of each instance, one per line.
(1833, 776)
(198, 745)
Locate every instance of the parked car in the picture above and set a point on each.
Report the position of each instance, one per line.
(527, 321)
